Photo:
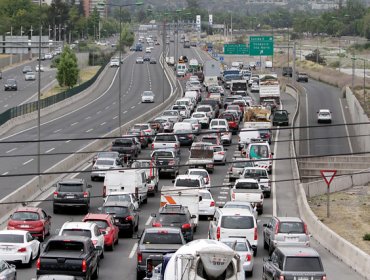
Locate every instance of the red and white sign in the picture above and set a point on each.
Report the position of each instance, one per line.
(328, 175)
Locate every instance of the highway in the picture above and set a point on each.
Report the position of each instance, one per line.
(99, 117)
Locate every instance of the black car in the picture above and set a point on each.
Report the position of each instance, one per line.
(126, 218)
(71, 193)
(288, 71)
(280, 117)
(126, 147)
(11, 84)
(146, 58)
(153, 60)
(27, 69)
(176, 216)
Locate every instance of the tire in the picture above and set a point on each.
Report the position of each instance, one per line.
(55, 210)
(131, 233)
(111, 247)
(42, 238)
(29, 264)
(96, 273)
(137, 226)
(255, 253)
(145, 201)
(93, 178)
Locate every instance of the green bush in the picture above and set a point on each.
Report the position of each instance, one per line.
(366, 237)
(55, 62)
(334, 64)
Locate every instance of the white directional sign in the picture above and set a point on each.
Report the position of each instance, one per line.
(210, 19)
(198, 21)
(328, 175)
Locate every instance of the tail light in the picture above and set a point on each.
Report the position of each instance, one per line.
(38, 264)
(22, 250)
(176, 146)
(149, 266)
(221, 153)
(323, 278)
(186, 226)
(56, 194)
(86, 194)
(267, 135)
(255, 237)
(104, 191)
(139, 257)
(84, 266)
(277, 228)
(95, 242)
(156, 225)
(129, 218)
(218, 233)
(207, 179)
(270, 156)
(172, 162)
(190, 135)
(248, 257)
(152, 146)
(233, 196)
(212, 204)
(281, 278)
(305, 228)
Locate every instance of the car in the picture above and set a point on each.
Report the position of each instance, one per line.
(172, 115)
(301, 76)
(11, 84)
(114, 62)
(245, 252)
(287, 71)
(42, 57)
(105, 223)
(18, 246)
(147, 96)
(242, 205)
(212, 139)
(48, 56)
(26, 69)
(118, 196)
(126, 217)
(148, 50)
(56, 277)
(171, 215)
(141, 135)
(292, 263)
(237, 166)
(32, 219)
(153, 60)
(139, 60)
(261, 175)
(202, 118)
(201, 172)
(206, 109)
(88, 229)
(196, 127)
(109, 154)
(219, 154)
(260, 152)
(39, 67)
(7, 271)
(167, 126)
(146, 58)
(101, 166)
(206, 207)
(324, 116)
(280, 117)
(285, 231)
(74, 193)
(225, 134)
(30, 76)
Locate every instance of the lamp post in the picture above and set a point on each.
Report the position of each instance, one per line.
(39, 104)
(120, 57)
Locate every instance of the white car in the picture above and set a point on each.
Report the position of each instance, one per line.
(41, 68)
(147, 96)
(122, 196)
(225, 134)
(206, 206)
(48, 56)
(201, 172)
(87, 229)
(18, 246)
(207, 109)
(194, 124)
(101, 166)
(183, 110)
(202, 118)
(219, 155)
(114, 62)
(172, 116)
(324, 116)
(139, 60)
(30, 76)
(148, 50)
(242, 205)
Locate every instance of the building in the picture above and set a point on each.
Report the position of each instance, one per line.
(272, 2)
(89, 6)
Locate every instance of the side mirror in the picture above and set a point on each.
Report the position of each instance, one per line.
(193, 216)
(153, 215)
(89, 186)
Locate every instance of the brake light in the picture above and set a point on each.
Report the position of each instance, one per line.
(149, 265)
(255, 234)
(267, 135)
(139, 257)
(233, 196)
(323, 278)
(277, 228)
(22, 250)
(172, 162)
(84, 266)
(153, 146)
(221, 153)
(190, 135)
(270, 156)
(218, 233)
(156, 225)
(212, 204)
(281, 278)
(129, 218)
(305, 228)
(56, 194)
(248, 257)
(38, 264)
(186, 226)
(86, 194)
(104, 191)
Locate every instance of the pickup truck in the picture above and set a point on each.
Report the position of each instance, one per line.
(75, 255)
(248, 190)
(166, 141)
(154, 243)
(127, 147)
(201, 155)
(166, 161)
(261, 175)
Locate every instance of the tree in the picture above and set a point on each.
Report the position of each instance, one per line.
(366, 25)
(316, 57)
(67, 73)
(127, 36)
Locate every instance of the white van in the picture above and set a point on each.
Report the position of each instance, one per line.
(130, 181)
(181, 70)
(182, 126)
(234, 223)
(246, 135)
(218, 122)
(192, 94)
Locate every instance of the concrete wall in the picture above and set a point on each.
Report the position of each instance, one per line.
(5, 61)
(82, 60)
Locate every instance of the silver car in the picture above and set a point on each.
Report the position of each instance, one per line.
(219, 155)
(237, 168)
(242, 205)
(285, 231)
(30, 76)
(7, 271)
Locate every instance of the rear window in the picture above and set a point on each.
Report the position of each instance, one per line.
(204, 109)
(70, 188)
(255, 173)
(171, 218)
(199, 172)
(104, 162)
(237, 222)
(246, 186)
(259, 151)
(291, 227)
(25, 216)
(211, 140)
(163, 154)
(165, 138)
(11, 238)
(118, 198)
(242, 164)
(198, 115)
(239, 206)
(101, 223)
(115, 210)
(162, 237)
(123, 142)
(170, 113)
(76, 232)
(205, 195)
(239, 246)
(187, 183)
(65, 246)
(217, 149)
(303, 264)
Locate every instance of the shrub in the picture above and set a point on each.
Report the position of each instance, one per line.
(335, 64)
(366, 237)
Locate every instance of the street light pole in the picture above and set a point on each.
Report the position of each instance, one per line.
(119, 73)
(39, 107)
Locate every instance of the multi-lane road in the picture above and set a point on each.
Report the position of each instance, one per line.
(98, 116)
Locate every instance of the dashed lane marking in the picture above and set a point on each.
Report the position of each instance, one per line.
(133, 107)
(222, 197)
(74, 123)
(11, 150)
(68, 141)
(103, 123)
(115, 117)
(48, 151)
(5, 173)
(89, 130)
(28, 161)
(224, 193)
(149, 221)
(56, 131)
(133, 251)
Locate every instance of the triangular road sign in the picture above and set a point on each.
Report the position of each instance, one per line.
(328, 175)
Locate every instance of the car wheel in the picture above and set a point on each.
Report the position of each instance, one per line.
(255, 253)
(271, 249)
(145, 201)
(265, 245)
(29, 264)
(42, 238)
(137, 226)
(55, 210)
(96, 272)
(102, 255)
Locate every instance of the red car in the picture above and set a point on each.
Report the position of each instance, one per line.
(106, 225)
(32, 219)
(232, 121)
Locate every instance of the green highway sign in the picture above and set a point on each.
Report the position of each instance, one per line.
(261, 45)
(236, 49)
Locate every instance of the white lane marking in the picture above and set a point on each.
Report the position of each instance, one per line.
(308, 129)
(56, 131)
(6, 105)
(74, 123)
(68, 141)
(5, 173)
(89, 117)
(346, 127)
(138, 103)
(11, 150)
(98, 112)
(125, 112)
(133, 251)
(89, 130)
(28, 161)
(133, 107)
(224, 188)
(225, 183)
(106, 108)
(149, 221)
(115, 117)
(48, 151)
(103, 123)
(222, 197)
(114, 103)
(224, 193)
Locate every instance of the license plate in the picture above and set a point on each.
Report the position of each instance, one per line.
(303, 278)
(116, 220)
(295, 239)
(24, 226)
(70, 196)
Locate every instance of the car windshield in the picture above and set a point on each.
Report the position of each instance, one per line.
(237, 222)
(64, 245)
(291, 227)
(324, 114)
(76, 232)
(172, 218)
(104, 162)
(303, 264)
(218, 149)
(162, 237)
(246, 186)
(198, 115)
(192, 121)
(199, 172)
(242, 164)
(117, 210)
(25, 216)
(258, 151)
(163, 154)
(101, 223)
(228, 117)
(11, 238)
(178, 107)
(107, 155)
(190, 183)
(70, 187)
(118, 198)
(147, 93)
(255, 173)
(239, 246)
(165, 138)
(204, 109)
(10, 81)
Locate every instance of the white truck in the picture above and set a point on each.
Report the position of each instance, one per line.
(211, 71)
(201, 156)
(248, 190)
(269, 87)
(239, 87)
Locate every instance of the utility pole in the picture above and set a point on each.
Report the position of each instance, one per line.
(294, 58)
(60, 32)
(163, 56)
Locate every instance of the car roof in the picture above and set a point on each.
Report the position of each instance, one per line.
(191, 177)
(70, 238)
(299, 251)
(197, 169)
(13, 231)
(71, 181)
(289, 219)
(236, 202)
(246, 180)
(27, 209)
(80, 225)
(235, 211)
(168, 229)
(97, 216)
(324, 111)
(117, 203)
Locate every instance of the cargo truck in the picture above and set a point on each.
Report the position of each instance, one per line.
(269, 87)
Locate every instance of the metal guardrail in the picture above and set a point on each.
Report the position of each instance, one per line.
(46, 102)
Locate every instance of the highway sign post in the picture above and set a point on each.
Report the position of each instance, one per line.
(241, 49)
(328, 176)
(261, 45)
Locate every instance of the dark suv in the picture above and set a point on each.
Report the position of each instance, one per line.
(176, 216)
(71, 193)
(293, 263)
(288, 71)
(126, 218)
(280, 117)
